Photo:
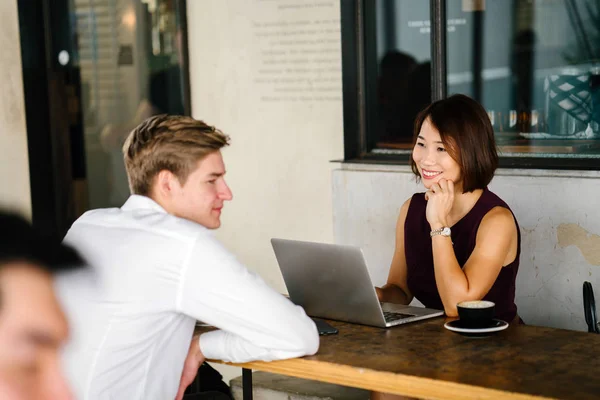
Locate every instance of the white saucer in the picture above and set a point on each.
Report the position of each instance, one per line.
(456, 326)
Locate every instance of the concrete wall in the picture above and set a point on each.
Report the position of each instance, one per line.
(14, 162)
(557, 211)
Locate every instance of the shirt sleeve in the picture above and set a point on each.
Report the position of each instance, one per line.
(255, 322)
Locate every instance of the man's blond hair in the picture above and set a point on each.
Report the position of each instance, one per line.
(168, 142)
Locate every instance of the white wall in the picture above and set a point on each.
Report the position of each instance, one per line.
(557, 212)
(283, 111)
(278, 162)
(14, 161)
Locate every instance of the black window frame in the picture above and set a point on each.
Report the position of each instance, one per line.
(358, 36)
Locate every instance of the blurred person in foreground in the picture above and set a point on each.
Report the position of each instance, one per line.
(33, 327)
(160, 269)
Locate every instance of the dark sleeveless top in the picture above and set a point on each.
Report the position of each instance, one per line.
(419, 255)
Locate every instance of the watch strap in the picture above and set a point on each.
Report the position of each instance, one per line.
(441, 231)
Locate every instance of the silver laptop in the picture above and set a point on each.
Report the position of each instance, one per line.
(332, 281)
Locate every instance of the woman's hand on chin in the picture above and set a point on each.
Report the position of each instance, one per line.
(440, 198)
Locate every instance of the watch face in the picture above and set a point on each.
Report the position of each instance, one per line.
(446, 231)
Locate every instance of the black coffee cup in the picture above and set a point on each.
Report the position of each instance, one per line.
(476, 313)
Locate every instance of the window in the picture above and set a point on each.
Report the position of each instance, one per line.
(131, 58)
(534, 66)
(92, 71)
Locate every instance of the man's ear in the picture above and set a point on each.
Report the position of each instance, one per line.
(165, 184)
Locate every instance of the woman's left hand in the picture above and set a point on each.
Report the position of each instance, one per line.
(440, 198)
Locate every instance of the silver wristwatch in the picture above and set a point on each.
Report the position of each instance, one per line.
(445, 231)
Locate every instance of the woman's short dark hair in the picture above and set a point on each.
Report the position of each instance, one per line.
(466, 132)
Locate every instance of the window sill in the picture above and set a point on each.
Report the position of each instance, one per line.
(399, 166)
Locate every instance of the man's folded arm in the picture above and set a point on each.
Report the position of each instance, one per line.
(255, 322)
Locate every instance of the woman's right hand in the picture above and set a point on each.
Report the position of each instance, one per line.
(391, 293)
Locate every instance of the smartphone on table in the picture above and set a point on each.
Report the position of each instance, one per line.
(324, 328)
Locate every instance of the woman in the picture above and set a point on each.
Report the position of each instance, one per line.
(457, 241)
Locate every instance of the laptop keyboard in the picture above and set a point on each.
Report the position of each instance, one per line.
(394, 316)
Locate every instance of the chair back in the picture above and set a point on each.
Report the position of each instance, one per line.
(589, 308)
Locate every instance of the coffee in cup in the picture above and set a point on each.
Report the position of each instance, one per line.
(476, 313)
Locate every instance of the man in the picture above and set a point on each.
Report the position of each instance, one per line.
(160, 269)
(32, 325)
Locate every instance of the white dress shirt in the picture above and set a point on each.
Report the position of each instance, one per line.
(154, 276)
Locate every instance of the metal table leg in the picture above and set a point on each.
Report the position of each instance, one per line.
(247, 383)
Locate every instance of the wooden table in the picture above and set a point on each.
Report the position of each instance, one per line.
(425, 360)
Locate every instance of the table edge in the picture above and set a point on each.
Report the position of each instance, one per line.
(381, 381)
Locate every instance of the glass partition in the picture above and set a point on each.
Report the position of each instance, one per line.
(129, 53)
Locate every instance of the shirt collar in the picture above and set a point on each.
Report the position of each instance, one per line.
(136, 202)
